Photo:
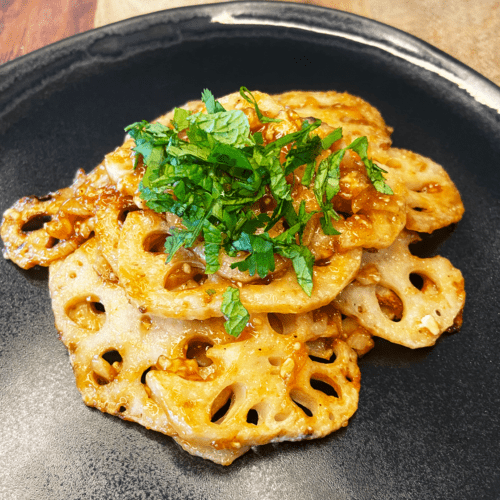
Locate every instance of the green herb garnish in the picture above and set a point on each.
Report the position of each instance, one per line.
(237, 316)
(375, 173)
(248, 96)
(212, 178)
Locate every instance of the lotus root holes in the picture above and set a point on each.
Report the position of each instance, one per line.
(144, 373)
(417, 281)
(221, 405)
(324, 387)
(87, 312)
(107, 366)
(303, 401)
(276, 323)
(275, 360)
(155, 242)
(35, 223)
(321, 349)
(184, 275)
(122, 216)
(423, 283)
(253, 416)
(390, 304)
(197, 350)
(280, 417)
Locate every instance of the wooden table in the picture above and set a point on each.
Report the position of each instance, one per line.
(466, 29)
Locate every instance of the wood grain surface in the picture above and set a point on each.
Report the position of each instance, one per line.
(468, 30)
(27, 25)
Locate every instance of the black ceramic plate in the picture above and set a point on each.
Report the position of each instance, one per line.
(426, 427)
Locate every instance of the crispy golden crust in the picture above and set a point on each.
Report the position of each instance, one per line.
(432, 200)
(61, 221)
(151, 369)
(340, 109)
(263, 388)
(108, 339)
(394, 308)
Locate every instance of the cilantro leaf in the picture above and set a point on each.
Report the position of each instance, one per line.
(279, 187)
(306, 129)
(331, 138)
(327, 177)
(228, 156)
(326, 186)
(375, 173)
(248, 96)
(153, 156)
(303, 262)
(232, 308)
(261, 257)
(326, 221)
(180, 121)
(211, 104)
(308, 174)
(284, 209)
(302, 152)
(213, 241)
(228, 127)
(297, 227)
(174, 242)
(149, 139)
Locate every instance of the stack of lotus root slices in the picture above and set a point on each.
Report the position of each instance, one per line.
(146, 338)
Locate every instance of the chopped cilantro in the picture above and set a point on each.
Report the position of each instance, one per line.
(375, 173)
(212, 174)
(226, 127)
(261, 250)
(211, 104)
(331, 138)
(236, 315)
(326, 186)
(248, 96)
(302, 261)
(180, 121)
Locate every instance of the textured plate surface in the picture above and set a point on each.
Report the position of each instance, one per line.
(427, 424)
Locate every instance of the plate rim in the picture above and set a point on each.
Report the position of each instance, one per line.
(112, 30)
(18, 77)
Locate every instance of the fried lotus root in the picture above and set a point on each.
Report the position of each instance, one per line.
(356, 117)
(369, 219)
(111, 211)
(181, 289)
(112, 344)
(402, 298)
(263, 388)
(357, 337)
(433, 201)
(107, 338)
(377, 218)
(119, 165)
(38, 231)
